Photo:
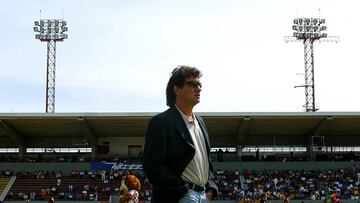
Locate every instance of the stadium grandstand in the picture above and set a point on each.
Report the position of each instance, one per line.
(294, 156)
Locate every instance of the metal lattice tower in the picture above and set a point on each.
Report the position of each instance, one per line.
(50, 31)
(309, 30)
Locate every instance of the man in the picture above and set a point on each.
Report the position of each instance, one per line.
(177, 147)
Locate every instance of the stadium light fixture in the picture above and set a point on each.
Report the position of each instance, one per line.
(50, 31)
(309, 30)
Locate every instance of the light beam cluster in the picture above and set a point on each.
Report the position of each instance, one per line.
(51, 29)
(309, 28)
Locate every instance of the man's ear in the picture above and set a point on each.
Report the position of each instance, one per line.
(176, 89)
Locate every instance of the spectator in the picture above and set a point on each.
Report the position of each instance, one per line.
(51, 199)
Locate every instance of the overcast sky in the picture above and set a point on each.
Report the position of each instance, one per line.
(120, 53)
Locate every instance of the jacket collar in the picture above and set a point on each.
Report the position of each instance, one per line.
(182, 128)
(204, 130)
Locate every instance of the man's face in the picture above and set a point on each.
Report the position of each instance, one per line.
(190, 92)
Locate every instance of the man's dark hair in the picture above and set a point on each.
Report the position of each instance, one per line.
(178, 77)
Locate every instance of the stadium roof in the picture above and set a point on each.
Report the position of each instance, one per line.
(226, 129)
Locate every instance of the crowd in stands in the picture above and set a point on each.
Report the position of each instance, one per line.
(80, 185)
(233, 185)
(300, 185)
(60, 157)
(52, 157)
(226, 156)
(219, 155)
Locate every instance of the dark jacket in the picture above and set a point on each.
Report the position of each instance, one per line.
(168, 150)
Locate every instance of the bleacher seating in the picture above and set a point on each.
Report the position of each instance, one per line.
(3, 183)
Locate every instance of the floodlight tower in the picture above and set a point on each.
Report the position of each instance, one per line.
(50, 31)
(309, 30)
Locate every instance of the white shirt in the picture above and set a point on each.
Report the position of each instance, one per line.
(197, 171)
